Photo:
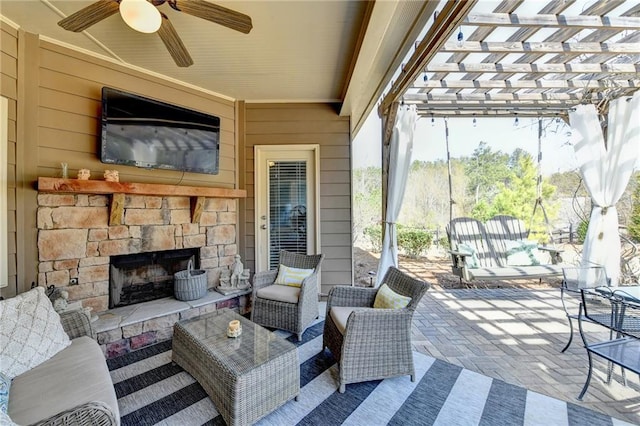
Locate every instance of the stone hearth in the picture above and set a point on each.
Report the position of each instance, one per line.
(132, 327)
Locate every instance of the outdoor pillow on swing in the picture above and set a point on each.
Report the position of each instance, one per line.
(389, 299)
(292, 276)
(522, 253)
(472, 259)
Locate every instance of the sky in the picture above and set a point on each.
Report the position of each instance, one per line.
(499, 133)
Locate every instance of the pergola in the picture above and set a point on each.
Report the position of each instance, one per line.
(517, 58)
(529, 58)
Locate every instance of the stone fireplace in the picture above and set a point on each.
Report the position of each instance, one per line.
(77, 246)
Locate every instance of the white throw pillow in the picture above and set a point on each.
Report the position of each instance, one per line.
(5, 420)
(31, 332)
(292, 276)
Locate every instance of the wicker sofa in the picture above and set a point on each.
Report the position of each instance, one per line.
(72, 388)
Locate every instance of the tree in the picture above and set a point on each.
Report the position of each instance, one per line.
(518, 197)
(426, 199)
(568, 184)
(482, 211)
(367, 203)
(514, 160)
(486, 169)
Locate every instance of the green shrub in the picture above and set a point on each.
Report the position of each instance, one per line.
(582, 231)
(414, 241)
(482, 211)
(374, 232)
(443, 242)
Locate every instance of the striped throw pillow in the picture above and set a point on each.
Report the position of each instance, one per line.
(292, 276)
(389, 299)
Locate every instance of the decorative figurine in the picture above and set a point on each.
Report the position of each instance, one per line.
(84, 174)
(59, 298)
(236, 271)
(111, 176)
(225, 278)
(234, 280)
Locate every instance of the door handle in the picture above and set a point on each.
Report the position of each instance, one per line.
(263, 226)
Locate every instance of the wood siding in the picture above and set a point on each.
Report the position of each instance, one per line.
(9, 90)
(59, 93)
(54, 107)
(281, 124)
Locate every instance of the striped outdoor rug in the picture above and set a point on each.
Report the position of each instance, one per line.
(152, 391)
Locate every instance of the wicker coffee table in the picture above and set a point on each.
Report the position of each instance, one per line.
(247, 377)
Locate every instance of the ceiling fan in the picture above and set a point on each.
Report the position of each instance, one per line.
(144, 16)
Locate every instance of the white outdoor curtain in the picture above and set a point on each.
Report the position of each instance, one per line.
(606, 173)
(400, 149)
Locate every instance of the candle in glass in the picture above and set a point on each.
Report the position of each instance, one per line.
(234, 325)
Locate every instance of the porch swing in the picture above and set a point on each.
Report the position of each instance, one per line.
(497, 249)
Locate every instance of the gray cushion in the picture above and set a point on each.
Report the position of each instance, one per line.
(515, 272)
(76, 375)
(280, 293)
(340, 315)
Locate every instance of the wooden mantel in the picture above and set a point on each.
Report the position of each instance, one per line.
(47, 184)
(118, 190)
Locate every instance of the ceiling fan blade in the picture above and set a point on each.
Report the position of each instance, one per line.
(92, 14)
(174, 45)
(214, 13)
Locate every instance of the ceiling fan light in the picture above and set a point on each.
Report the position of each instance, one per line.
(140, 15)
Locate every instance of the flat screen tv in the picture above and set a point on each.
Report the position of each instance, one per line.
(143, 132)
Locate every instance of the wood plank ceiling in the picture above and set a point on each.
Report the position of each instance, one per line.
(527, 58)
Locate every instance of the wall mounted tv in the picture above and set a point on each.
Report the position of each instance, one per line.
(143, 132)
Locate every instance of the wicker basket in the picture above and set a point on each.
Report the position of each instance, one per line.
(190, 284)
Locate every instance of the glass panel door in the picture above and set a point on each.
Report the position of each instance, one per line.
(287, 208)
(286, 197)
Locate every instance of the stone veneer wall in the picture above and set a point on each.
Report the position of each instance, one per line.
(75, 240)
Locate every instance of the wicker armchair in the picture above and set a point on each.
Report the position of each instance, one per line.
(287, 308)
(375, 343)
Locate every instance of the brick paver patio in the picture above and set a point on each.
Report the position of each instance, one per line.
(516, 334)
(513, 331)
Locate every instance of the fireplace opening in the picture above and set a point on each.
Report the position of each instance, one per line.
(141, 277)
